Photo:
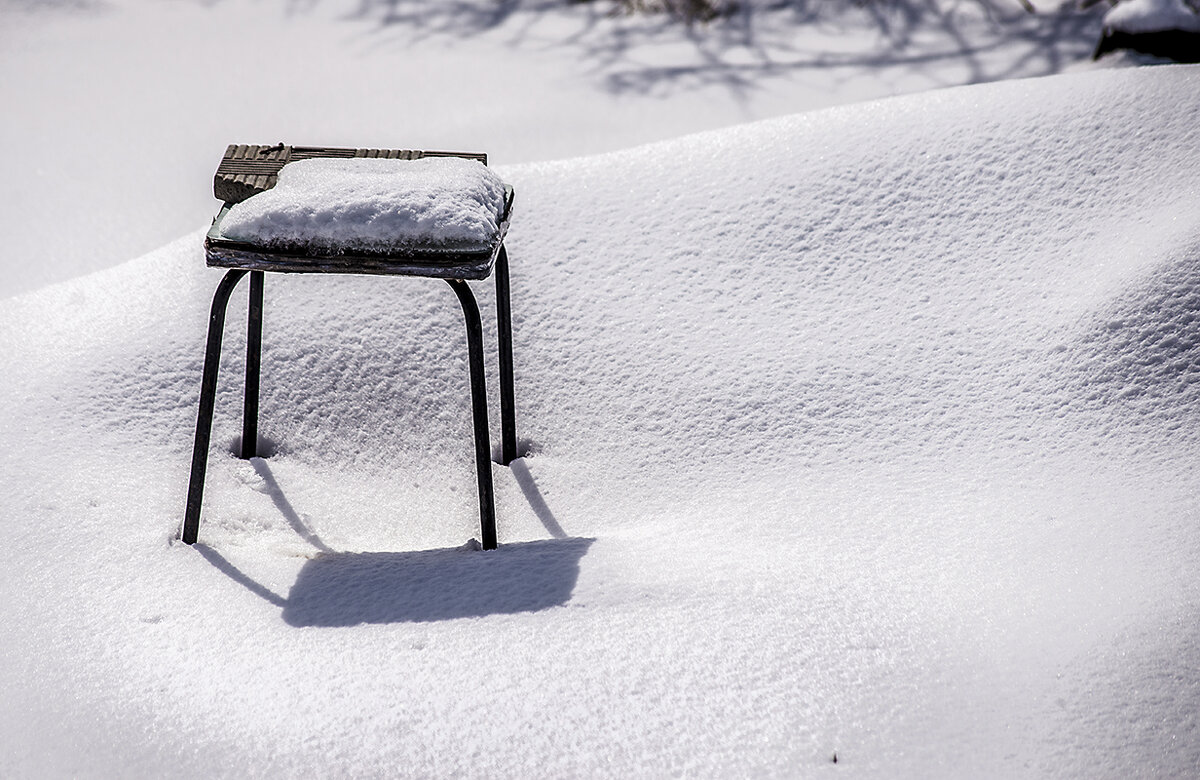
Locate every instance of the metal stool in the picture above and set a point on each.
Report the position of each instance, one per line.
(247, 170)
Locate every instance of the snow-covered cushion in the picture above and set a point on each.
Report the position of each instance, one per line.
(374, 205)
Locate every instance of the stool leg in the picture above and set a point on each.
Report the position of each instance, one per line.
(483, 457)
(253, 365)
(508, 404)
(208, 395)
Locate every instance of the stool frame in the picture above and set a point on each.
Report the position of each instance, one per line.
(474, 328)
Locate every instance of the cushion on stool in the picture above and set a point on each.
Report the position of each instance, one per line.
(436, 216)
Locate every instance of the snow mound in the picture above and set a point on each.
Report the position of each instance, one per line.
(374, 205)
(1148, 16)
(869, 431)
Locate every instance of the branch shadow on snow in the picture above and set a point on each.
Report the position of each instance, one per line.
(919, 38)
(747, 41)
(757, 40)
(348, 589)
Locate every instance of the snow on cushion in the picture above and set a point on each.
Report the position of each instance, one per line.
(374, 205)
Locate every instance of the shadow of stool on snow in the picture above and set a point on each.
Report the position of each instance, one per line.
(347, 589)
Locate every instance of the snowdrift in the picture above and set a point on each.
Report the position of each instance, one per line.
(867, 431)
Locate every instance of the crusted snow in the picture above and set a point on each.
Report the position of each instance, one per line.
(374, 205)
(869, 431)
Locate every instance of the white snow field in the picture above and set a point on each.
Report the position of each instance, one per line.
(117, 111)
(867, 432)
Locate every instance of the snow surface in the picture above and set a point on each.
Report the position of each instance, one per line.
(1145, 16)
(374, 205)
(118, 111)
(868, 431)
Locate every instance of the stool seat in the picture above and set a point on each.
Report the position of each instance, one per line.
(362, 211)
(438, 217)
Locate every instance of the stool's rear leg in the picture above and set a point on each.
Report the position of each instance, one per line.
(508, 404)
(253, 365)
(208, 394)
(483, 455)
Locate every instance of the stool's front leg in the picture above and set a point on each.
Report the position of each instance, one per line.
(508, 404)
(208, 394)
(483, 456)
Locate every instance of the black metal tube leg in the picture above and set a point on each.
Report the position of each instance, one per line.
(208, 395)
(508, 403)
(483, 457)
(253, 365)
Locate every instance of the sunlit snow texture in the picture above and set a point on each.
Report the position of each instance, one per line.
(868, 432)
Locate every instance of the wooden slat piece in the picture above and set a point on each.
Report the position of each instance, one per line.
(248, 169)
